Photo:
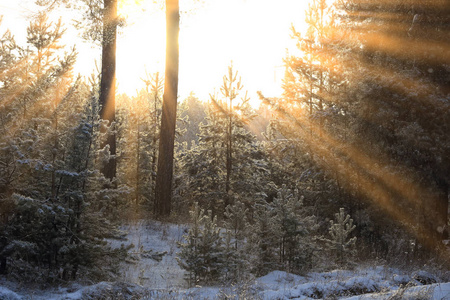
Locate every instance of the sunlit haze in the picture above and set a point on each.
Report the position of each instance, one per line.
(252, 34)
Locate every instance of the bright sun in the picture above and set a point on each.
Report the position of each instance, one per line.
(252, 34)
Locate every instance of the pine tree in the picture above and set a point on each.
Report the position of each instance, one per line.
(202, 252)
(163, 188)
(310, 77)
(236, 258)
(205, 166)
(339, 242)
(262, 242)
(307, 110)
(101, 20)
(195, 110)
(189, 256)
(211, 249)
(51, 229)
(295, 231)
(137, 137)
(107, 94)
(228, 162)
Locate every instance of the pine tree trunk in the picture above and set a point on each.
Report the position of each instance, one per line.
(108, 81)
(3, 261)
(2, 265)
(441, 209)
(138, 163)
(54, 151)
(229, 154)
(155, 141)
(163, 189)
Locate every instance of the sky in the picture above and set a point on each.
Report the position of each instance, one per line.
(253, 35)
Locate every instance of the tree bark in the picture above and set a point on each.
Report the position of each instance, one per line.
(163, 189)
(3, 261)
(441, 209)
(229, 163)
(108, 82)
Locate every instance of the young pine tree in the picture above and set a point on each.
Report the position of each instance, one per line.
(137, 139)
(295, 231)
(339, 243)
(202, 252)
(227, 161)
(236, 261)
(50, 227)
(262, 242)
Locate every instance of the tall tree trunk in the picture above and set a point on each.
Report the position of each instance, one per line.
(3, 260)
(441, 209)
(108, 81)
(229, 163)
(163, 189)
(138, 163)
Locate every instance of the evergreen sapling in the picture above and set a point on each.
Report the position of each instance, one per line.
(339, 242)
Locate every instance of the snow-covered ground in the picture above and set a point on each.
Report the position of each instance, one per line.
(152, 272)
(153, 258)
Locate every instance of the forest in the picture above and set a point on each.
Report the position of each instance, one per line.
(348, 167)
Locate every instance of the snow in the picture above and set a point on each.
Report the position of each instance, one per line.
(7, 294)
(433, 291)
(369, 286)
(441, 291)
(152, 272)
(67, 173)
(153, 238)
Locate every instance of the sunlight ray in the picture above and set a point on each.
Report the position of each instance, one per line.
(364, 170)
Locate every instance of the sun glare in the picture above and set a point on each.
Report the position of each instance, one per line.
(251, 34)
(127, 8)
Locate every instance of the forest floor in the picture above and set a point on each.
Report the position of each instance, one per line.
(152, 272)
